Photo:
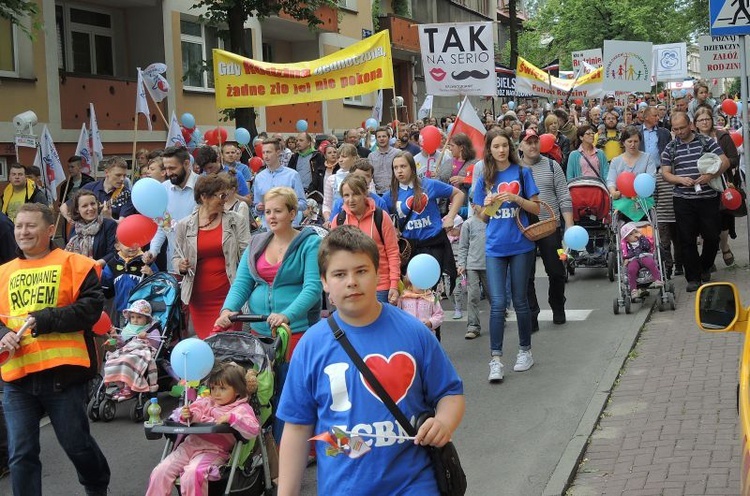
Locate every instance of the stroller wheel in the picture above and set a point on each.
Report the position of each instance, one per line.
(627, 304)
(107, 410)
(616, 306)
(92, 409)
(136, 410)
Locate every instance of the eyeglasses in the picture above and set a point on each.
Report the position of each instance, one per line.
(221, 196)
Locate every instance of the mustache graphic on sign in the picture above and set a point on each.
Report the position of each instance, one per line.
(460, 76)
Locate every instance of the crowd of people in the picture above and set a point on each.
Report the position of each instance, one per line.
(249, 240)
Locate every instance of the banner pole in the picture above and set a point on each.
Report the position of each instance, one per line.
(158, 109)
(135, 141)
(744, 116)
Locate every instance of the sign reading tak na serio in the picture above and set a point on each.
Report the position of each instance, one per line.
(361, 68)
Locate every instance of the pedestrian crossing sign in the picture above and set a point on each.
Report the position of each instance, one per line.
(729, 17)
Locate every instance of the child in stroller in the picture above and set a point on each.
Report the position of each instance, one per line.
(638, 256)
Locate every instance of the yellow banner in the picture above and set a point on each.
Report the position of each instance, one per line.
(361, 68)
(531, 80)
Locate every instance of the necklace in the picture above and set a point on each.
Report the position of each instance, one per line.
(211, 220)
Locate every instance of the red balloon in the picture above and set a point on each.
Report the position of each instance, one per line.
(395, 124)
(546, 143)
(255, 164)
(578, 101)
(625, 184)
(136, 230)
(221, 134)
(258, 146)
(210, 137)
(103, 325)
(736, 138)
(731, 198)
(729, 106)
(186, 133)
(431, 137)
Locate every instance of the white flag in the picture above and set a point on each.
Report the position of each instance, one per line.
(95, 144)
(156, 84)
(426, 107)
(377, 110)
(83, 150)
(50, 165)
(141, 104)
(175, 137)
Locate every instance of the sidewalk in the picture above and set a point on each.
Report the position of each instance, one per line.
(670, 425)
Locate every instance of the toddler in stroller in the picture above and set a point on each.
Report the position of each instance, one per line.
(639, 261)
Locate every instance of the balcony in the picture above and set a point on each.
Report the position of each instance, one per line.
(404, 34)
(328, 16)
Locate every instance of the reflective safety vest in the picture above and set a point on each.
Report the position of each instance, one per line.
(33, 285)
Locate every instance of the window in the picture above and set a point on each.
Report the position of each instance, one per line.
(197, 42)
(354, 100)
(8, 48)
(85, 40)
(348, 4)
(3, 169)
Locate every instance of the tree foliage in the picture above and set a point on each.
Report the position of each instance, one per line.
(584, 24)
(16, 10)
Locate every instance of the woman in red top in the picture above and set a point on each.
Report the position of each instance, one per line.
(359, 210)
(209, 244)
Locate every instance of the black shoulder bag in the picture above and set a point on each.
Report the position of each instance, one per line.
(450, 476)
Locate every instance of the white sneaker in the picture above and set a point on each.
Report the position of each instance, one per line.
(496, 370)
(457, 314)
(524, 361)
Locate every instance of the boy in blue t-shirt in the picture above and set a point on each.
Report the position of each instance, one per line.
(324, 389)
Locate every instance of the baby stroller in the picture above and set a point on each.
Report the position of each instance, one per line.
(253, 463)
(162, 292)
(645, 280)
(592, 210)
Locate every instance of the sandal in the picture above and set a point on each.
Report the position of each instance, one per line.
(728, 257)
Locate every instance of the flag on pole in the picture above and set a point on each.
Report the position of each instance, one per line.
(469, 123)
(156, 84)
(83, 150)
(426, 107)
(49, 163)
(377, 110)
(175, 137)
(141, 104)
(95, 144)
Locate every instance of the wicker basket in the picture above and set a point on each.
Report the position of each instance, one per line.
(541, 229)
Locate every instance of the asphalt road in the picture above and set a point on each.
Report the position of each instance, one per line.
(514, 434)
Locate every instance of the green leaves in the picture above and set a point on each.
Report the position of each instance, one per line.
(16, 10)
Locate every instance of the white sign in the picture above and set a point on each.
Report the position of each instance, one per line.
(627, 65)
(26, 140)
(458, 59)
(720, 56)
(670, 62)
(592, 59)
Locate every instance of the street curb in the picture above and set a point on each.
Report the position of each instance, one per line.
(566, 468)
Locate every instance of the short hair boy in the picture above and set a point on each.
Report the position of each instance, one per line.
(323, 388)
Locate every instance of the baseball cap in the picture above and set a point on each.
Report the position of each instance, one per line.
(609, 95)
(529, 133)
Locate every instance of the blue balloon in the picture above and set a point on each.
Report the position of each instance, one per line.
(642, 105)
(644, 185)
(576, 238)
(512, 105)
(242, 136)
(150, 197)
(683, 93)
(301, 126)
(371, 124)
(188, 120)
(197, 136)
(392, 141)
(423, 271)
(192, 359)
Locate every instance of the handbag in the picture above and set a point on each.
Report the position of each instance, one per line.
(537, 229)
(450, 476)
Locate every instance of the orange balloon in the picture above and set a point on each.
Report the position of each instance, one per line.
(546, 143)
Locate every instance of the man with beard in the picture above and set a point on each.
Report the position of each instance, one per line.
(180, 185)
(609, 138)
(404, 144)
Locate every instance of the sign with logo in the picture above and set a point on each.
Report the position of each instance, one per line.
(506, 83)
(586, 61)
(531, 80)
(720, 56)
(670, 62)
(627, 65)
(729, 17)
(358, 69)
(458, 58)
(26, 140)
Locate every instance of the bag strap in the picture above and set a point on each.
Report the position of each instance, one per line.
(401, 225)
(377, 219)
(598, 172)
(373, 381)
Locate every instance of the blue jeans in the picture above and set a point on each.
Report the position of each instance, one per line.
(382, 296)
(25, 403)
(498, 269)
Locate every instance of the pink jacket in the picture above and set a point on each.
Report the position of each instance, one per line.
(389, 272)
(241, 417)
(424, 306)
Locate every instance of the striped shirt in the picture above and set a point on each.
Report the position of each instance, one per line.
(663, 199)
(553, 188)
(686, 155)
(382, 164)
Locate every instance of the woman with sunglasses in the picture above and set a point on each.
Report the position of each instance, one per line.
(209, 245)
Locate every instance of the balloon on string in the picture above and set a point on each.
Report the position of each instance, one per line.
(188, 120)
(197, 136)
(511, 105)
(242, 136)
(103, 325)
(301, 126)
(431, 138)
(642, 105)
(736, 138)
(187, 134)
(546, 143)
(150, 197)
(731, 198)
(729, 107)
(258, 147)
(423, 271)
(136, 230)
(576, 238)
(192, 359)
(625, 184)
(210, 137)
(255, 164)
(371, 124)
(644, 185)
(222, 134)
